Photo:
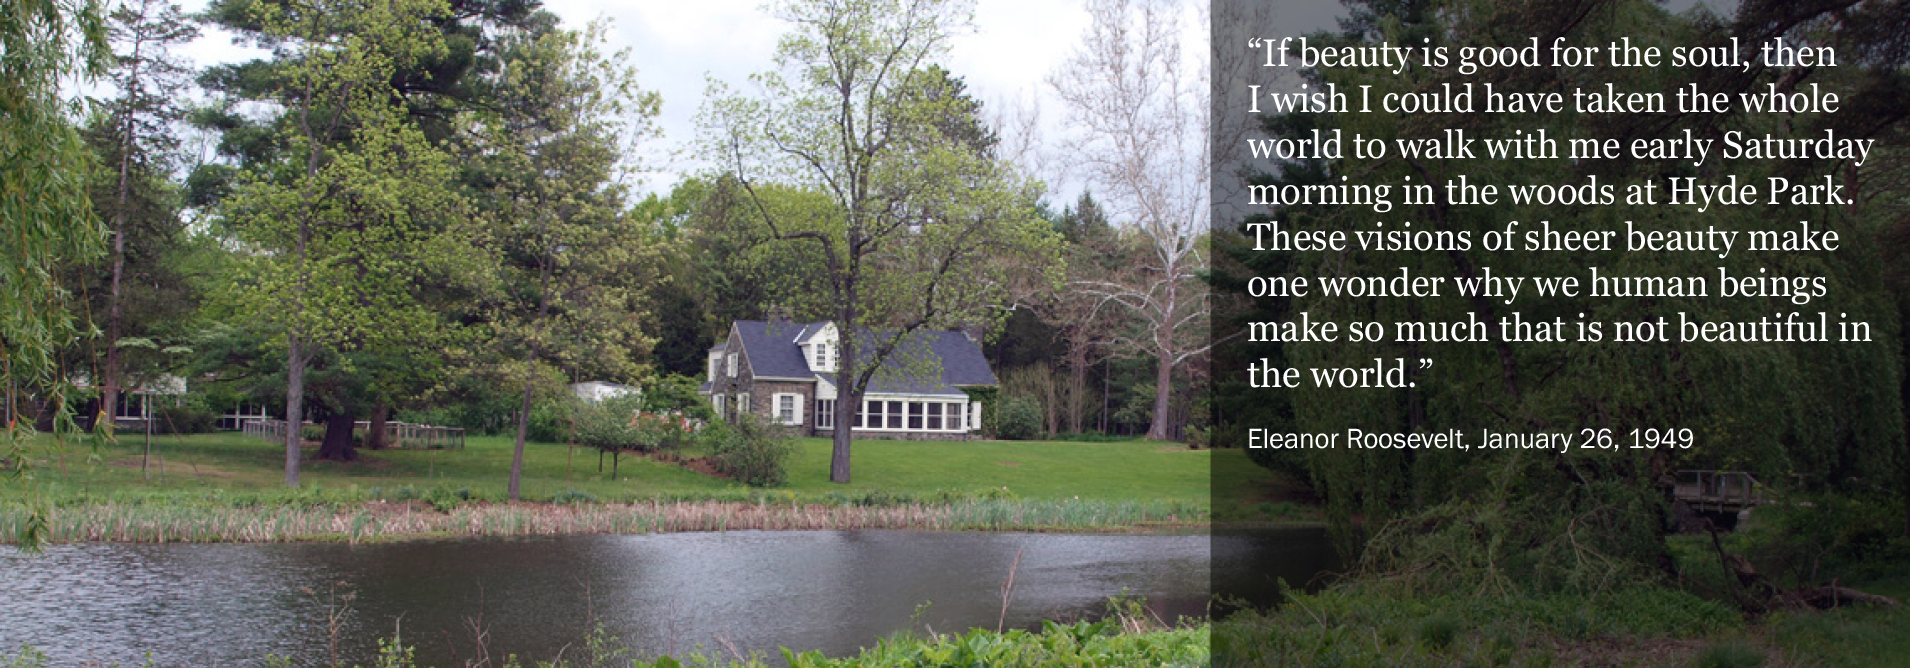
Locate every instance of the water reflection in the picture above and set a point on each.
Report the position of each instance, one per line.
(219, 605)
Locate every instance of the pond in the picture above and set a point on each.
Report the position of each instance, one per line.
(837, 591)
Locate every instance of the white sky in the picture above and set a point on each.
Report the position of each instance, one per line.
(674, 44)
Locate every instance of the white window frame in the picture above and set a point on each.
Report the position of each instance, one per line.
(732, 365)
(793, 417)
(716, 401)
(742, 403)
(876, 414)
(825, 414)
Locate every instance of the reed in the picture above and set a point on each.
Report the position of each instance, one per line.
(375, 520)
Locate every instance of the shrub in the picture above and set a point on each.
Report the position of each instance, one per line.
(750, 451)
(1730, 655)
(188, 418)
(1017, 419)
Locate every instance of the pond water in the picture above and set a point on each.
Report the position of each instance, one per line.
(837, 591)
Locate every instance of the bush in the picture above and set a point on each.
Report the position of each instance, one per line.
(189, 418)
(1017, 419)
(749, 450)
(551, 419)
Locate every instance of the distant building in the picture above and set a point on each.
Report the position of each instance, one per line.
(786, 372)
(137, 401)
(598, 390)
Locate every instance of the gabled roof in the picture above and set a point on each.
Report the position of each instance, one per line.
(774, 351)
(772, 348)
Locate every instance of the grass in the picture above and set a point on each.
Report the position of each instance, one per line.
(227, 486)
(904, 469)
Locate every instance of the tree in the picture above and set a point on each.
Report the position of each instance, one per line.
(1143, 144)
(44, 211)
(138, 140)
(567, 291)
(344, 226)
(1830, 414)
(920, 222)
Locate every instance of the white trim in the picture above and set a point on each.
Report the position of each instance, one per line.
(826, 414)
(794, 418)
(902, 419)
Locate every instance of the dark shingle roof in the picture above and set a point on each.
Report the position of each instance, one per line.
(772, 348)
(774, 351)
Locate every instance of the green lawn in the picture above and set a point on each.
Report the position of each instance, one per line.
(905, 469)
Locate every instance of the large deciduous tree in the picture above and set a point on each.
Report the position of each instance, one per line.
(346, 223)
(1139, 106)
(570, 270)
(921, 219)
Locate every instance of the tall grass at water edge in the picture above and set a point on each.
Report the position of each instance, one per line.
(158, 522)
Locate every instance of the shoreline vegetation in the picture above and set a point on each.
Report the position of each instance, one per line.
(374, 521)
(225, 488)
(1117, 640)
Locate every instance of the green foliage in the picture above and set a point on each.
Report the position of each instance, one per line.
(1817, 538)
(749, 450)
(1732, 654)
(619, 424)
(1436, 632)
(1519, 523)
(917, 224)
(1017, 419)
(1370, 625)
(45, 215)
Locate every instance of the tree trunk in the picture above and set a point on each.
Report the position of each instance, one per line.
(517, 450)
(294, 407)
(109, 374)
(1054, 417)
(1077, 384)
(337, 445)
(1163, 391)
(847, 400)
(375, 434)
(848, 395)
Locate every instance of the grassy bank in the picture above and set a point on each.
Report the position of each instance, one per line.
(161, 522)
(226, 487)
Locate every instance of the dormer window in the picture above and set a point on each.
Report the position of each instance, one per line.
(821, 362)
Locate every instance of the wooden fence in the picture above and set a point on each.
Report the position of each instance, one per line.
(397, 434)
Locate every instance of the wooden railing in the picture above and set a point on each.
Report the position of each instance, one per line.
(1717, 490)
(397, 434)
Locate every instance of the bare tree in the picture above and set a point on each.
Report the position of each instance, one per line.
(1139, 103)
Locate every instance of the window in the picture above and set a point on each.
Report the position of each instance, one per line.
(915, 415)
(716, 401)
(732, 364)
(742, 403)
(825, 414)
(713, 360)
(935, 416)
(819, 364)
(895, 415)
(788, 408)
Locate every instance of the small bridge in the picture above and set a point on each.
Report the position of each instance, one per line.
(1717, 491)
